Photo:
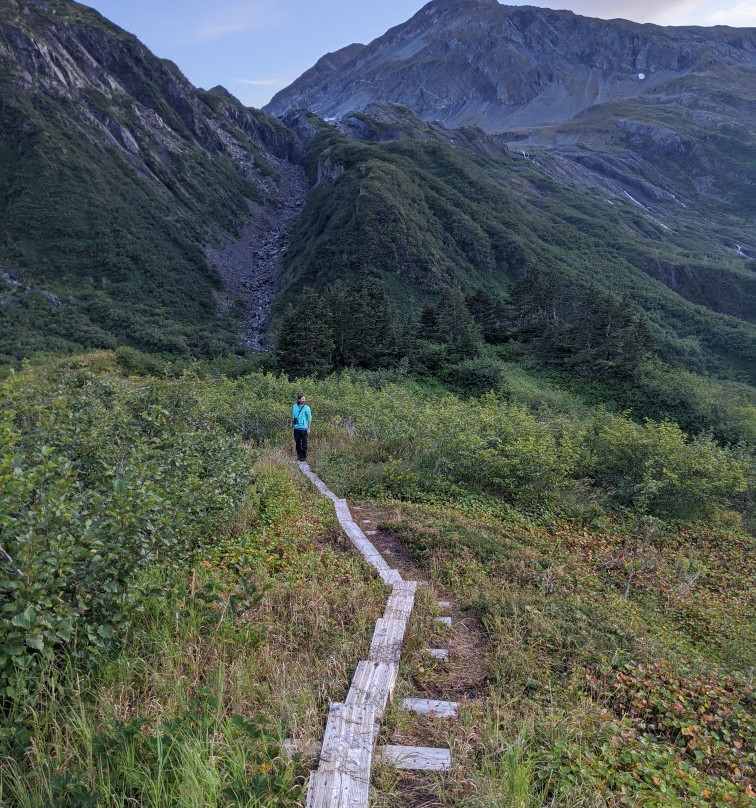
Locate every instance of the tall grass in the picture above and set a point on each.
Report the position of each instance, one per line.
(193, 709)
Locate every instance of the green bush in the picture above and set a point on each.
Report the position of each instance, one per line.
(475, 376)
(654, 468)
(97, 480)
(497, 446)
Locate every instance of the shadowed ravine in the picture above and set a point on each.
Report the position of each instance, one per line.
(251, 265)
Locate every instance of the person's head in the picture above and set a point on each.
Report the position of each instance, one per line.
(301, 398)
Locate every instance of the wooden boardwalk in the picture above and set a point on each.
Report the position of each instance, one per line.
(343, 776)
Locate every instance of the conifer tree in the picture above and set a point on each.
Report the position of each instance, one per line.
(362, 323)
(305, 340)
(609, 339)
(537, 299)
(375, 324)
(340, 305)
(492, 314)
(457, 326)
(428, 327)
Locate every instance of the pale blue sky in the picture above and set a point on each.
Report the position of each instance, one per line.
(256, 47)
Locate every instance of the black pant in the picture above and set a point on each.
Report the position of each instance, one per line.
(300, 440)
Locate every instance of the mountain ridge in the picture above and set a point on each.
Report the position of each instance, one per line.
(652, 53)
(671, 132)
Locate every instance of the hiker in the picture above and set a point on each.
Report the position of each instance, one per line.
(300, 420)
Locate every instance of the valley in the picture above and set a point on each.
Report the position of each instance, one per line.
(508, 254)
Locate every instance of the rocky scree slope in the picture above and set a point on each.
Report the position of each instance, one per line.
(119, 181)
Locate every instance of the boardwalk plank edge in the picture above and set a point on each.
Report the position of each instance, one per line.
(414, 758)
(342, 779)
(434, 708)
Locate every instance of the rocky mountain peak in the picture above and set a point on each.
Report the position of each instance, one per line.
(476, 62)
(661, 118)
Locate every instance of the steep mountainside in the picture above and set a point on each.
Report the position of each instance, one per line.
(663, 116)
(425, 216)
(136, 209)
(118, 181)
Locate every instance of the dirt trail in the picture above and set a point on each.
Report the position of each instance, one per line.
(463, 678)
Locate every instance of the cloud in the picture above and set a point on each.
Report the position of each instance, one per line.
(741, 14)
(638, 10)
(668, 11)
(264, 82)
(234, 18)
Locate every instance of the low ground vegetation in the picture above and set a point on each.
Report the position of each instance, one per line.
(174, 602)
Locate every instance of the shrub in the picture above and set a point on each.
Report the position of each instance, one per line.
(475, 375)
(499, 447)
(97, 480)
(654, 468)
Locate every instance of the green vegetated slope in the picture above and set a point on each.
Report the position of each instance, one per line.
(118, 260)
(425, 216)
(696, 135)
(113, 173)
(195, 605)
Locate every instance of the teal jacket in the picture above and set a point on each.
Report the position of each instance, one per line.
(301, 416)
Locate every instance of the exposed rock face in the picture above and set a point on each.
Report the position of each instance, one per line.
(475, 62)
(63, 62)
(657, 117)
(383, 122)
(252, 263)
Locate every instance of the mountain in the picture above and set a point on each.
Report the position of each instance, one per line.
(616, 155)
(134, 208)
(663, 116)
(465, 62)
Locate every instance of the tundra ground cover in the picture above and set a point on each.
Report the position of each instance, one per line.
(608, 700)
(196, 605)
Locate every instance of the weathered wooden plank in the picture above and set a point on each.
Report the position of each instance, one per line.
(441, 654)
(336, 789)
(333, 727)
(353, 530)
(401, 601)
(405, 588)
(390, 577)
(431, 707)
(342, 511)
(415, 758)
(399, 607)
(398, 613)
(444, 621)
(348, 739)
(343, 777)
(363, 544)
(316, 481)
(373, 683)
(388, 636)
